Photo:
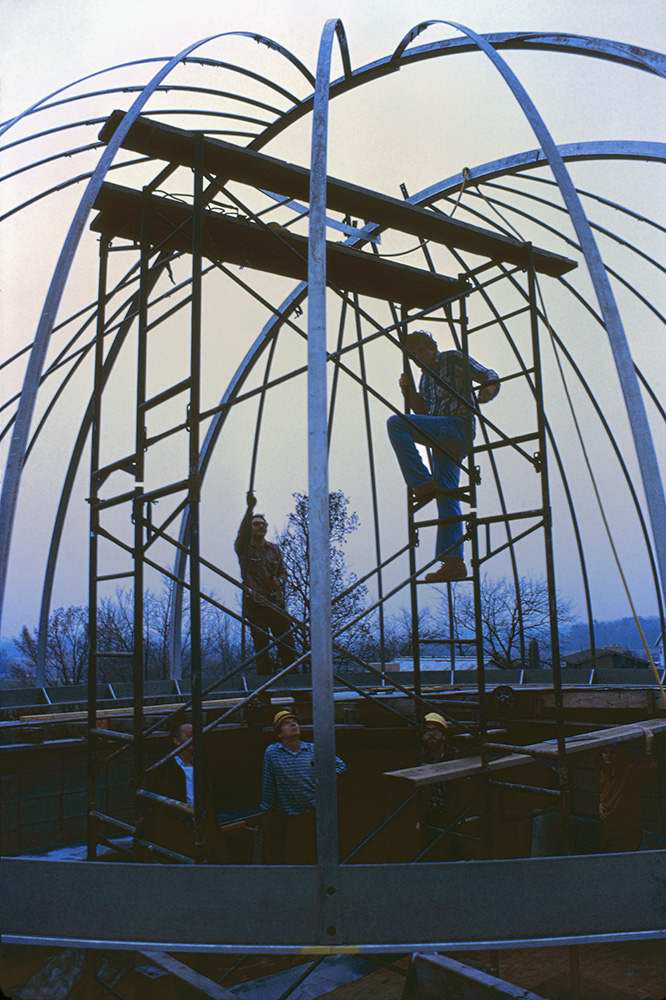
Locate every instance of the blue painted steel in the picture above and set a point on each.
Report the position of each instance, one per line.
(600, 48)
(170, 61)
(612, 149)
(640, 428)
(318, 511)
(13, 469)
(469, 904)
(641, 59)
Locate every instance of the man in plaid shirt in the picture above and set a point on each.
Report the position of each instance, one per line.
(288, 792)
(444, 411)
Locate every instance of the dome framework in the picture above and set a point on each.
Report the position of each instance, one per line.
(331, 891)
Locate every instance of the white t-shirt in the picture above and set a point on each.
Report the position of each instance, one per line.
(188, 771)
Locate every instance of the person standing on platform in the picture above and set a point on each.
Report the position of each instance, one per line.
(288, 792)
(264, 576)
(435, 808)
(444, 411)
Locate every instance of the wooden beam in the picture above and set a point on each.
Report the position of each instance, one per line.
(224, 159)
(168, 223)
(467, 767)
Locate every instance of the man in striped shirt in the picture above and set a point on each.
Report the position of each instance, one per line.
(288, 791)
(443, 411)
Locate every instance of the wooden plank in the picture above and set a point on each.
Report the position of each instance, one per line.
(584, 742)
(123, 713)
(641, 699)
(187, 975)
(467, 767)
(248, 244)
(452, 770)
(247, 166)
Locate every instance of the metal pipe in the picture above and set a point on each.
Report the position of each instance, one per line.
(318, 511)
(194, 495)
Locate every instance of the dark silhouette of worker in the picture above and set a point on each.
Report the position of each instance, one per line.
(624, 770)
(444, 411)
(264, 576)
(170, 827)
(436, 813)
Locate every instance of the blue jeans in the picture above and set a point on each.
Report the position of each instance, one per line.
(453, 433)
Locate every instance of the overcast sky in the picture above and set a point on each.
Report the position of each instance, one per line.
(417, 126)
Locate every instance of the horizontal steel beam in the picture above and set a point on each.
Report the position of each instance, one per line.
(383, 908)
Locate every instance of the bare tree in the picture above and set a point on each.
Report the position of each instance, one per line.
(67, 640)
(500, 616)
(66, 645)
(348, 600)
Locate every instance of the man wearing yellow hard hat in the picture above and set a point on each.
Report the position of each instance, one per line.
(288, 792)
(435, 814)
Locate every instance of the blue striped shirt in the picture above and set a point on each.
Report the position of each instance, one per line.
(288, 778)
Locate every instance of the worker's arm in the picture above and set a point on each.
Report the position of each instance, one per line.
(414, 400)
(487, 378)
(340, 766)
(244, 535)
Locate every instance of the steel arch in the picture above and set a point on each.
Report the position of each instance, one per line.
(599, 48)
(9, 496)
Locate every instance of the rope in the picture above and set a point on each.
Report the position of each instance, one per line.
(465, 179)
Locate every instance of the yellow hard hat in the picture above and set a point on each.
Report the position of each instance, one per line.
(437, 720)
(280, 717)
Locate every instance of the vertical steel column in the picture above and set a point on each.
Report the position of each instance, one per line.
(199, 760)
(452, 630)
(318, 514)
(467, 392)
(373, 482)
(550, 559)
(413, 536)
(137, 505)
(92, 548)
(476, 589)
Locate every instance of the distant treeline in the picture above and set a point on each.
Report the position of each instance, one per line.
(618, 632)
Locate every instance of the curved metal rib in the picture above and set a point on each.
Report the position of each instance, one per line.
(184, 88)
(640, 428)
(169, 60)
(599, 48)
(516, 163)
(605, 425)
(9, 497)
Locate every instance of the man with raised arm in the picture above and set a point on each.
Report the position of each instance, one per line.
(443, 412)
(288, 792)
(264, 576)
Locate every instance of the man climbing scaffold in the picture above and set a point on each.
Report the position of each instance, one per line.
(444, 412)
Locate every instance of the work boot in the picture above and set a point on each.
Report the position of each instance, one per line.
(451, 569)
(424, 491)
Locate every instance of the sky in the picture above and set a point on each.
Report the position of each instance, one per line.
(417, 127)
